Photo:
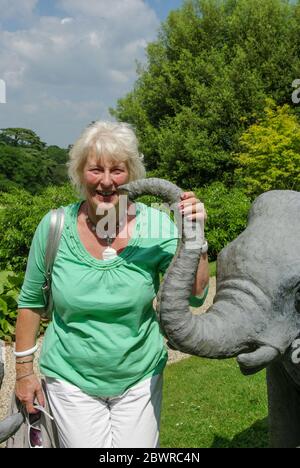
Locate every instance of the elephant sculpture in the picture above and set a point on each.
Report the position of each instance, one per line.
(256, 311)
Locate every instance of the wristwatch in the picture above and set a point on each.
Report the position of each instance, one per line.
(204, 247)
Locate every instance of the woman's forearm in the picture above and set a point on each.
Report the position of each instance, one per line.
(28, 386)
(27, 327)
(202, 276)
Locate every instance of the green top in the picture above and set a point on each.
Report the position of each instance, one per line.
(104, 337)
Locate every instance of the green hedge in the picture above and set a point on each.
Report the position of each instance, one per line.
(20, 213)
(227, 211)
(10, 285)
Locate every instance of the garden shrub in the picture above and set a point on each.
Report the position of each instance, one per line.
(10, 285)
(20, 213)
(227, 210)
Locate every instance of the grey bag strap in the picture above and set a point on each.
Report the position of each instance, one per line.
(55, 230)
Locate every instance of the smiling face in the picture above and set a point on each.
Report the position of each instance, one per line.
(101, 179)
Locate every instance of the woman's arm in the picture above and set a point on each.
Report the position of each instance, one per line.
(27, 327)
(28, 387)
(192, 208)
(202, 276)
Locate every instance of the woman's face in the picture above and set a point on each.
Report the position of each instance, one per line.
(101, 179)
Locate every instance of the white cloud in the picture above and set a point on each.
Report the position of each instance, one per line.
(68, 71)
(108, 9)
(11, 9)
(66, 20)
(118, 77)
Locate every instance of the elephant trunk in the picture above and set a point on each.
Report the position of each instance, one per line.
(10, 425)
(169, 192)
(220, 333)
(235, 325)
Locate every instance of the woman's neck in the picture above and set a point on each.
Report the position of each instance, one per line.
(112, 220)
(112, 214)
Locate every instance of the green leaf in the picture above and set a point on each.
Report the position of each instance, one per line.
(3, 306)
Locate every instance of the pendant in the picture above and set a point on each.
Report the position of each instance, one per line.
(109, 253)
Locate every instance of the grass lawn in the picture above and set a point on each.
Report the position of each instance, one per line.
(212, 268)
(209, 403)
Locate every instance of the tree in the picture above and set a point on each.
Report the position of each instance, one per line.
(27, 168)
(206, 79)
(26, 162)
(58, 158)
(269, 156)
(57, 154)
(21, 137)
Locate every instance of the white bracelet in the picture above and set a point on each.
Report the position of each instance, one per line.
(204, 248)
(28, 352)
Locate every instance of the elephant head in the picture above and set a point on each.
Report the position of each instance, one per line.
(256, 310)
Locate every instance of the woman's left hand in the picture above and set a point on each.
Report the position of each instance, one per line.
(192, 208)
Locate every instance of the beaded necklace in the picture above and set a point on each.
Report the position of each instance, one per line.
(109, 253)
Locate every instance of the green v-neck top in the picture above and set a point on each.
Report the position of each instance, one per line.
(104, 336)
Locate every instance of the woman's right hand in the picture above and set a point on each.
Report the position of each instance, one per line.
(28, 390)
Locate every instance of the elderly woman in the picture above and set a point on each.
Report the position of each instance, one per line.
(103, 354)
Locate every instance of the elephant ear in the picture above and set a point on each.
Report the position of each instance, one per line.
(251, 363)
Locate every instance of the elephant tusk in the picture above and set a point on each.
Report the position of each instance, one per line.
(251, 363)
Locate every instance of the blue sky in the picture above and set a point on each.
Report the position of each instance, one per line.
(162, 7)
(52, 8)
(65, 62)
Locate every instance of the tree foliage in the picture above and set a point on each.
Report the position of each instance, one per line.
(227, 215)
(21, 137)
(26, 162)
(10, 285)
(269, 156)
(20, 213)
(206, 80)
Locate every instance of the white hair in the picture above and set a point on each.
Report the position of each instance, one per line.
(115, 140)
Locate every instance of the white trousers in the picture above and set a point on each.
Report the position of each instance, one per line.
(130, 420)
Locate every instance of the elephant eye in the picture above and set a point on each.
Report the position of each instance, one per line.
(297, 301)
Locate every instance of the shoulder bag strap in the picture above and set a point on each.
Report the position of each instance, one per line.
(55, 230)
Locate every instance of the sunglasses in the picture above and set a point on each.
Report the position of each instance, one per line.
(34, 427)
